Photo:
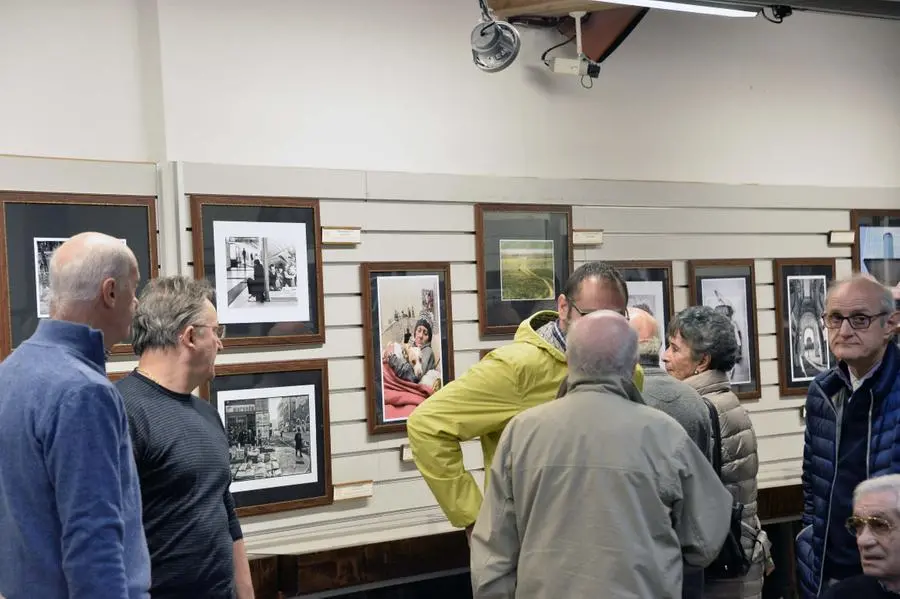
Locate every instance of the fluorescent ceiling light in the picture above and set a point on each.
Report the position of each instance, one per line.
(694, 8)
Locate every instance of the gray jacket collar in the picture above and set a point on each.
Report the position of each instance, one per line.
(613, 385)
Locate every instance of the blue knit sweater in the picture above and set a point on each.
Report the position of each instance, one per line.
(70, 503)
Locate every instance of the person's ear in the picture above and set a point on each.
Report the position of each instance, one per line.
(562, 304)
(108, 292)
(703, 364)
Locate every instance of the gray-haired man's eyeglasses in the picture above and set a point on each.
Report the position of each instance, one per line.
(857, 321)
(219, 330)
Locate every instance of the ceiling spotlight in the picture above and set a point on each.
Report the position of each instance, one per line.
(495, 45)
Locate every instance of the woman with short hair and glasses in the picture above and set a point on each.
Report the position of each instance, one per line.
(875, 524)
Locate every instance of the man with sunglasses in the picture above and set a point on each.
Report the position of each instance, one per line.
(181, 448)
(852, 412)
(523, 374)
(876, 525)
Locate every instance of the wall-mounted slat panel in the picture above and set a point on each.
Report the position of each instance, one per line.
(52, 175)
(697, 247)
(381, 247)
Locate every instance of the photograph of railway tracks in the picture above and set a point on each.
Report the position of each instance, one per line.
(526, 269)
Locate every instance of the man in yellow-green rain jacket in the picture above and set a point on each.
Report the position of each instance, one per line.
(509, 380)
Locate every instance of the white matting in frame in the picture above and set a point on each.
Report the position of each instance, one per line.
(238, 245)
(809, 354)
(268, 401)
(730, 295)
(651, 294)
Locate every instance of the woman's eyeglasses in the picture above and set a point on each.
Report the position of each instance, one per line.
(878, 525)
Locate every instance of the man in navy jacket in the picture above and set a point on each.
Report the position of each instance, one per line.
(852, 413)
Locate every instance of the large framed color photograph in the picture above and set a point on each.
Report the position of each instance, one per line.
(275, 415)
(650, 288)
(803, 353)
(729, 286)
(523, 256)
(264, 258)
(33, 225)
(408, 341)
(877, 248)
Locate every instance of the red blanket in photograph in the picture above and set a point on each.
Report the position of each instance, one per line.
(400, 397)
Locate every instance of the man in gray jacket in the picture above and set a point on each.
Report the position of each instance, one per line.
(596, 494)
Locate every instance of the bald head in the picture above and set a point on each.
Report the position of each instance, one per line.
(601, 343)
(80, 266)
(647, 329)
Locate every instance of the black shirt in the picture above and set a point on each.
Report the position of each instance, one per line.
(185, 472)
(858, 587)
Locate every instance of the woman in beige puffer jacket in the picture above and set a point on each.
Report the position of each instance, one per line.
(702, 350)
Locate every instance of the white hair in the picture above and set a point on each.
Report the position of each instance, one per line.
(650, 347)
(888, 482)
(602, 343)
(78, 279)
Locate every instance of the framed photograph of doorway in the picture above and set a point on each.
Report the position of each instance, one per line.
(263, 255)
(877, 248)
(33, 225)
(729, 286)
(803, 353)
(523, 256)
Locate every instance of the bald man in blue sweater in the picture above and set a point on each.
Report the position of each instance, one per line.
(70, 502)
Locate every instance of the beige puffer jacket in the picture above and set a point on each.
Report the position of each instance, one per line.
(740, 465)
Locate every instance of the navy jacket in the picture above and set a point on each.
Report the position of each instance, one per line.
(880, 396)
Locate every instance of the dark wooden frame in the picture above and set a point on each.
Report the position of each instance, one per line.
(753, 328)
(781, 325)
(366, 271)
(484, 329)
(198, 201)
(669, 285)
(325, 450)
(14, 197)
(859, 215)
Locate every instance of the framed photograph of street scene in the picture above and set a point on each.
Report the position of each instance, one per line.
(651, 289)
(408, 341)
(729, 286)
(33, 225)
(523, 256)
(275, 415)
(877, 247)
(803, 353)
(264, 258)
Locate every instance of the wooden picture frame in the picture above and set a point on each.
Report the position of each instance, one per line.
(233, 239)
(801, 285)
(731, 284)
(877, 247)
(34, 224)
(262, 435)
(535, 242)
(651, 288)
(396, 297)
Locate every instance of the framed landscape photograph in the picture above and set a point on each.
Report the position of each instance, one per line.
(877, 247)
(275, 415)
(803, 353)
(264, 259)
(408, 340)
(33, 225)
(523, 256)
(729, 286)
(651, 289)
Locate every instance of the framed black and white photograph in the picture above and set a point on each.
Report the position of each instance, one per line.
(800, 288)
(877, 248)
(275, 416)
(409, 344)
(265, 260)
(728, 286)
(523, 257)
(651, 289)
(34, 225)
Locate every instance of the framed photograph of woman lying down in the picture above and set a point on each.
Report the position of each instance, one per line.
(803, 353)
(408, 341)
(34, 225)
(264, 258)
(729, 286)
(275, 416)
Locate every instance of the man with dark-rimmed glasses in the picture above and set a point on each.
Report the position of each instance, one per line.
(852, 413)
(876, 525)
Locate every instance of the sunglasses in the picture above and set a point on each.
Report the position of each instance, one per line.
(878, 525)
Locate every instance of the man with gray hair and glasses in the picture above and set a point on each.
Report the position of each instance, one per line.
(70, 504)
(181, 448)
(852, 415)
(876, 525)
(596, 494)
